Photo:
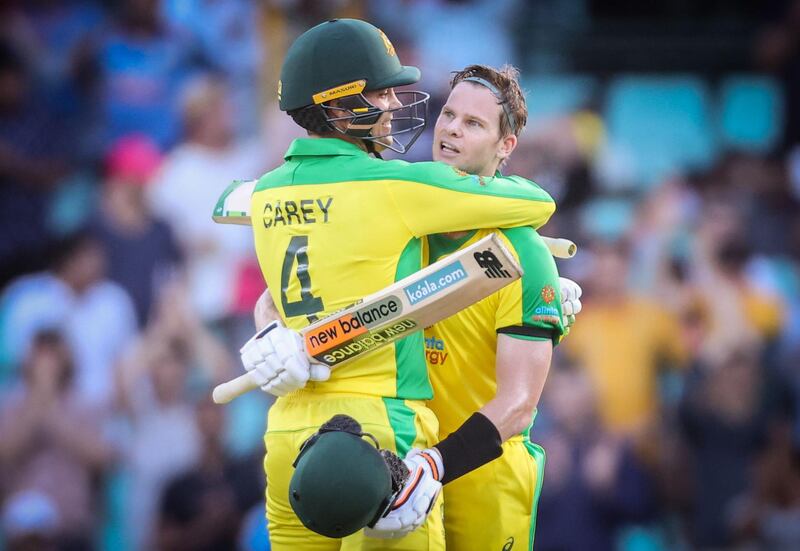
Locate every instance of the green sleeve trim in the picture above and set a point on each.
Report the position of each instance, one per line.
(540, 273)
(401, 419)
(409, 352)
(529, 332)
(526, 337)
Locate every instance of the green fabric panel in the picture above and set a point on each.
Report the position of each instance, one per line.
(539, 455)
(526, 337)
(409, 352)
(440, 245)
(331, 160)
(540, 270)
(401, 419)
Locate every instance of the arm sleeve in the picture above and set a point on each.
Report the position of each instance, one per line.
(531, 306)
(434, 198)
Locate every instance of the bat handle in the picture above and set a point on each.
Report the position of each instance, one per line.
(560, 247)
(225, 392)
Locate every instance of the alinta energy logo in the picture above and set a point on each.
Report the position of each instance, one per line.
(435, 351)
(438, 281)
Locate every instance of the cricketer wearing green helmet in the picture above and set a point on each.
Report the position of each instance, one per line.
(331, 225)
(340, 60)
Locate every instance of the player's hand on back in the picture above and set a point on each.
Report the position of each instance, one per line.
(276, 359)
(570, 301)
(416, 498)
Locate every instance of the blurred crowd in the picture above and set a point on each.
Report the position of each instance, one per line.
(670, 418)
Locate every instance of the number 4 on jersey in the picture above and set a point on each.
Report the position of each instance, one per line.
(308, 303)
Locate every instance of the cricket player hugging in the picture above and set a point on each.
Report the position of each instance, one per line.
(355, 455)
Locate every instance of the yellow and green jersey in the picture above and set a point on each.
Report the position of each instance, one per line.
(333, 224)
(461, 350)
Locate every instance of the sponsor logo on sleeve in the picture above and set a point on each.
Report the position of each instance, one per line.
(548, 294)
(491, 264)
(436, 282)
(547, 314)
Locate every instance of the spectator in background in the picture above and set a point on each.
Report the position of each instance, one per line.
(53, 36)
(769, 516)
(724, 419)
(203, 508)
(154, 392)
(142, 65)
(95, 315)
(164, 437)
(221, 267)
(140, 248)
(621, 342)
(740, 313)
(52, 444)
(33, 158)
(30, 522)
(425, 23)
(228, 35)
(594, 484)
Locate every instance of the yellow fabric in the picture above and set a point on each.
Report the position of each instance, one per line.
(621, 346)
(292, 420)
(493, 505)
(764, 312)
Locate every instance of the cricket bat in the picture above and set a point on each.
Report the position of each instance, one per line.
(404, 307)
(233, 207)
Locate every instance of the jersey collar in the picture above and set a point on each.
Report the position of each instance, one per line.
(322, 147)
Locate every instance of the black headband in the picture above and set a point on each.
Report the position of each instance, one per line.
(503, 103)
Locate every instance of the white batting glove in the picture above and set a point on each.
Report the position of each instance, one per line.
(570, 300)
(276, 359)
(416, 499)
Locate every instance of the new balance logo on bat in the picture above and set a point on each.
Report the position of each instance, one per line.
(491, 265)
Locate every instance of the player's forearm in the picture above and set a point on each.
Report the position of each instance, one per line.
(521, 370)
(522, 367)
(265, 311)
(511, 413)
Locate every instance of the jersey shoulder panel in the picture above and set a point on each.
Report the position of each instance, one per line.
(532, 305)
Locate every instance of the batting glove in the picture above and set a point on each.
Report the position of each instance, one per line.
(416, 498)
(276, 359)
(570, 301)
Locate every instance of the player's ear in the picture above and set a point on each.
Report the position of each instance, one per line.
(506, 146)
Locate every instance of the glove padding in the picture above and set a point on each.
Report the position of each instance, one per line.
(416, 498)
(276, 359)
(570, 301)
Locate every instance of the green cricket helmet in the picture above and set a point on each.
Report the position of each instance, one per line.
(340, 60)
(341, 482)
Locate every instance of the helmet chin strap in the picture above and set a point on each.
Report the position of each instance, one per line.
(370, 145)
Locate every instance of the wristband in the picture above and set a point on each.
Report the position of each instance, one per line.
(473, 444)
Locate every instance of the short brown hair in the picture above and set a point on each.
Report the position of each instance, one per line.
(506, 81)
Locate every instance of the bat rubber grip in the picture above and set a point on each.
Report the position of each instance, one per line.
(560, 247)
(225, 392)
